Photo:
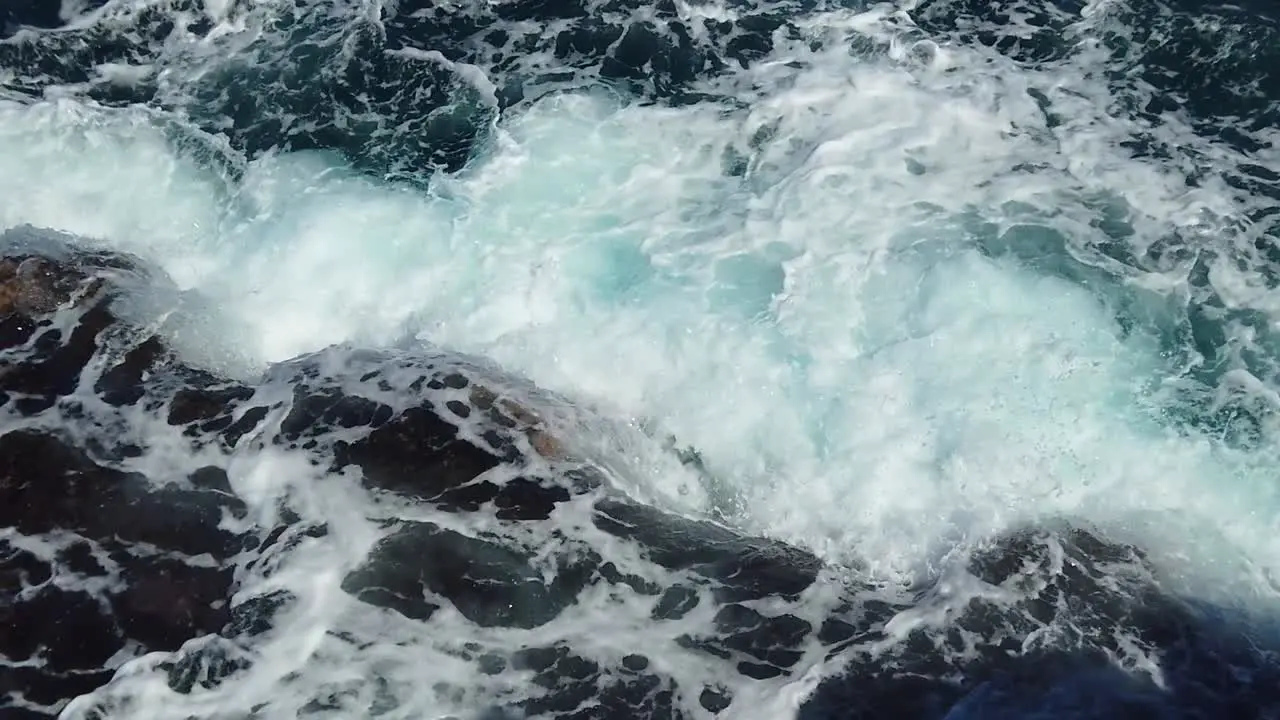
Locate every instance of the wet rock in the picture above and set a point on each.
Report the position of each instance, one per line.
(255, 615)
(771, 640)
(489, 584)
(155, 601)
(59, 327)
(1070, 608)
(34, 285)
(316, 413)
(122, 384)
(579, 688)
(55, 373)
(212, 409)
(207, 666)
(46, 484)
(771, 645)
(741, 568)
(421, 453)
(633, 52)
(165, 602)
(28, 13)
(714, 700)
(47, 688)
(20, 569)
(65, 629)
(675, 603)
(418, 454)
(136, 565)
(192, 404)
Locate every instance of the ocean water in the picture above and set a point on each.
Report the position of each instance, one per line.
(904, 275)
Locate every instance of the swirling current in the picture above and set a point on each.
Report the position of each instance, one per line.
(757, 359)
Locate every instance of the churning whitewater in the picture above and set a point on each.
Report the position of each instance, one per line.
(603, 359)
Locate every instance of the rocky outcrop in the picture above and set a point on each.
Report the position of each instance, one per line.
(157, 565)
(97, 563)
(122, 533)
(1059, 624)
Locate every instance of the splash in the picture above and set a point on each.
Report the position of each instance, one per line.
(901, 291)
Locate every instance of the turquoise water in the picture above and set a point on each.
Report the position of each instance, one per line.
(898, 299)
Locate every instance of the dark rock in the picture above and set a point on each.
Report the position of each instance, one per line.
(206, 666)
(15, 330)
(491, 664)
(769, 639)
(489, 584)
(46, 485)
(212, 477)
(418, 454)
(1069, 602)
(835, 631)
(67, 629)
(636, 663)
(166, 602)
(403, 602)
(459, 408)
(455, 381)
(244, 424)
(743, 568)
(633, 52)
(135, 533)
(714, 700)
(590, 38)
(612, 574)
(47, 687)
(79, 558)
(190, 404)
(20, 569)
(758, 671)
(316, 413)
(525, 499)
(122, 384)
(253, 616)
(675, 603)
(1081, 602)
(32, 287)
(29, 13)
(45, 377)
(160, 601)
(581, 689)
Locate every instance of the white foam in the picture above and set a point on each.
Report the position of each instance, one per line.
(826, 329)
(822, 330)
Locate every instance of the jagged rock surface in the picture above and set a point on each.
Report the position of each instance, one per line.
(105, 556)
